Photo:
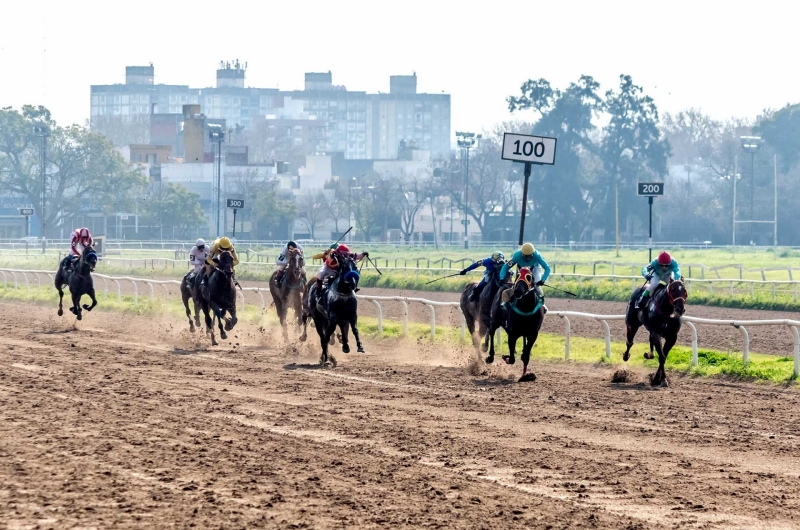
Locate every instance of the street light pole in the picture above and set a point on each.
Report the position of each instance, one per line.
(751, 144)
(466, 140)
(216, 134)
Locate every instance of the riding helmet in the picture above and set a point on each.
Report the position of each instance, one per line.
(224, 243)
(291, 245)
(664, 258)
(343, 248)
(527, 249)
(200, 243)
(498, 256)
(84, 232)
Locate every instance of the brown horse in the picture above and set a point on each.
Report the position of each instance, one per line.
(290, 292)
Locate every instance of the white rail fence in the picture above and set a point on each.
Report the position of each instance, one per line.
(791, 325)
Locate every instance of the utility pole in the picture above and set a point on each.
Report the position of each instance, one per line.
(751, 144)
(216, 134)
(43, 131)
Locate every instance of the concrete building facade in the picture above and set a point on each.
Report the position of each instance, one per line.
(357, 124)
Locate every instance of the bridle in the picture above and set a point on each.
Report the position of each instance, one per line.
(673, 299)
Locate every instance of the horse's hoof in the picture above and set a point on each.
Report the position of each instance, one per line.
(60, 312)
(626, 356)
(191, 328)
(72, 310)
(529, 377)
(303, 337)
(360, 349)
(649, 355)
(80, 317)
(214, 343)
(223, 335)
(345, 348)
(508, 359)
(664, 384)
(332, 341)
(489, 359)
(484, 348)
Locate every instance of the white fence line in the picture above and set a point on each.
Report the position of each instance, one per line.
(741, 325)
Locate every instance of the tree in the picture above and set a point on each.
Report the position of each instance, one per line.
(313, 211)
(632, 149)
(412, 192)
(557, 195)
(337, 207)
(781, 130)
(83, 169)
(173, 210)
(272, 213)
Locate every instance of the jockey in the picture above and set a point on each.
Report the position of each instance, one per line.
(529, 257)
(283, 260)
(223, 244)
(80, 238)
(663, 268)
(197, 256)
(331, 265)
(491, 263)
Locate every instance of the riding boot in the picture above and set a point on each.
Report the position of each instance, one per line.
(642, 303)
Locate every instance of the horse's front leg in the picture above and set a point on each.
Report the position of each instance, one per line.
(669, 342)
(490, 358)
(220, 316)
(659, 378)
(185, 298)
(527, 346)
(354, 325)
(631, 328)
(209, 324)
(76, 306)
(60, 301)
(512, 349)
(344, 326)
(231, 322)
(94, 300)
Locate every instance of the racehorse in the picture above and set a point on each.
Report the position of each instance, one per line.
(481, 309)
(289, 294)
(79, 281)
(662, 318)
(521, 316)
(339, 307)
(219, 296)
(189, 292)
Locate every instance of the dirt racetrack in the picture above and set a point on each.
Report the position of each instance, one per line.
(131, 422)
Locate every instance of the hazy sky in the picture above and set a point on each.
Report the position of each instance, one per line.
(727, 58)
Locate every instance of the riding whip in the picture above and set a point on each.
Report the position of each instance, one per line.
(370, 260)
(562, 290)
(443, 277)
(348, 231)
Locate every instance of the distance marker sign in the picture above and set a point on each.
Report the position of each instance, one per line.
(650, 189)
(26, 211)
(236, 203)
(530, 149)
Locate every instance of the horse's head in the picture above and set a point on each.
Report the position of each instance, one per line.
(676, 292)
(348, 272)
(495, 275)
(295, 263)
(524, 282)
(225, 263)
(89, 257)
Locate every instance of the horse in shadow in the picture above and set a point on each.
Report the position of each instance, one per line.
(218, 296)
(335, 307)
(661, 318)
(78, 279)
(189, 291)
(480, 311)
(289, 294)
(519, 312)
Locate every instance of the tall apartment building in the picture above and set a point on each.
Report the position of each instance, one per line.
(358, 125)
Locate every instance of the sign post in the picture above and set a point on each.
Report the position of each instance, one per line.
(529, 150)
(27, 212)
(650, 190)
(235, 204)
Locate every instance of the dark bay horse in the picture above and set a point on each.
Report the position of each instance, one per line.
(189, 292)
(337, 308)
(662, 319)
(219, 296)
(79, 280)
(480, 310)
(521, 315)
(290, 292)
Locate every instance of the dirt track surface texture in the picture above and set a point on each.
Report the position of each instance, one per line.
(132, 422)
